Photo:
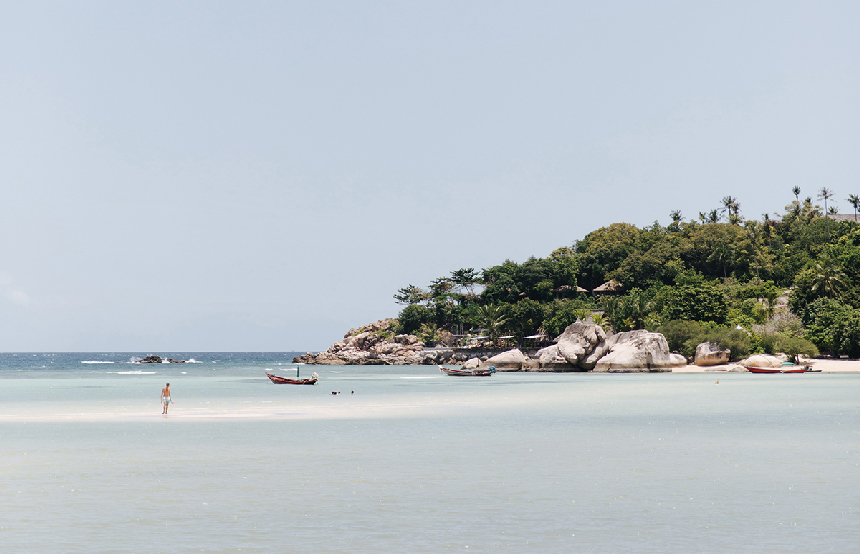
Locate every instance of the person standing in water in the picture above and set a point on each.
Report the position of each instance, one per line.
(165, 397)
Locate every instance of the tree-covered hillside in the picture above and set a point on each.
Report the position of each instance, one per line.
(717, 277)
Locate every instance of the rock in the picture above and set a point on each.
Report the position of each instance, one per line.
(472, 363)
(510, 360)
(638, 351)
(550, 359)
(151, 360)
(709, 353)
(764, 360)
(376, 344)
(578, 341)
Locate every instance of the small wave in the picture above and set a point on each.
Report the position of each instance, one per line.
(95, 362)
(422, 377)
(193, 361)
(133, 372)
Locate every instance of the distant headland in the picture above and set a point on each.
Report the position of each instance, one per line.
(783, 284)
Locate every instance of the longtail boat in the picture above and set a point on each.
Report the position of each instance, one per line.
(784, 369)
(468, 372)
(284, 381)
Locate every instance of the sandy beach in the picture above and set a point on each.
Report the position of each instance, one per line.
(823, 364)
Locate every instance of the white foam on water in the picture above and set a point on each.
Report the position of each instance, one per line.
(137, 372)
(95, 362)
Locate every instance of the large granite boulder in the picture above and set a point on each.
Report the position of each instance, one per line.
(472, 363)
(764, 360)
(578, 341)
(638, 351)
(709, 353)
(550, 359)
(512, 360)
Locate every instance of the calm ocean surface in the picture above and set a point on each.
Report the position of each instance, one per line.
(414, 461)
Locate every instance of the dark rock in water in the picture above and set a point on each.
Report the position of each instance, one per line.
(172, 361)
(151, 360)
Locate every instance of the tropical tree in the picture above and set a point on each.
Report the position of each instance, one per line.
(826, 194)
(828, 279)
(796, 191)
(491, 318)
(676, 220)
(854, 200)
(410, 295)
(731, 206)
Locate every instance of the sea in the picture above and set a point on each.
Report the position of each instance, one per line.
(406, 459)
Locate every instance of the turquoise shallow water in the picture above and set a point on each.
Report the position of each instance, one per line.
(418, 462)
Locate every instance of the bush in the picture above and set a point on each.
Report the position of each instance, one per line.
(679, 333)
(795, 346)
(832, 326)
(696, 303)
(412, 318)
(738, 341)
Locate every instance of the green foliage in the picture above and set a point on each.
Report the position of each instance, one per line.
(491, 318)
(738, 341)
(412, 317)
(429, 334)
(684, 336)
(411, 294)
(680, 333)
(696, 302)
(832, 326)
(524, 318)
(561, 313)
(723, 270)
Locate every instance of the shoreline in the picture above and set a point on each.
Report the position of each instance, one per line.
(825, 365)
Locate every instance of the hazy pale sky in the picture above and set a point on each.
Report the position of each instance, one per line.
(265, 175)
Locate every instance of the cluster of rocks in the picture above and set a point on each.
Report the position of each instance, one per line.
(585, 347)
(582, 347)
(376, 344)
(158, 360)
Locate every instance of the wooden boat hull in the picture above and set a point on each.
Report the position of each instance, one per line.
(467, 372)
(284, 381)
(752, 369)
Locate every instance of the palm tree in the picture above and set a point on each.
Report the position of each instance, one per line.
(826, 194)
(731, 206)
(829, 278)
(491, 318)
(854, 200)
(796, 192)
(713, 216)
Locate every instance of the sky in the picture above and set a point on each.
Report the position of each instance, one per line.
(264, 176)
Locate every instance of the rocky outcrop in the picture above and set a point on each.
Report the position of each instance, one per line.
(709, 353)
(550, 359)
(578, 341)
(151, 360)
(512, 360)
(376, 344)
(637, 351)
(581, 347)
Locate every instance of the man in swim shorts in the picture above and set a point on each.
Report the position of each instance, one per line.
(165, 397)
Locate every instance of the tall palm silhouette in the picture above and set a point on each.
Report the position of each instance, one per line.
(731, 206)
(826, 194)
(796, 191)
(854, 200)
